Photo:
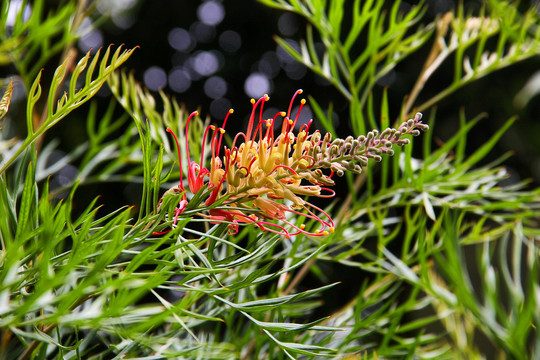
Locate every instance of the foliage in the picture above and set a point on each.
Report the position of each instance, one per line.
(445, 248)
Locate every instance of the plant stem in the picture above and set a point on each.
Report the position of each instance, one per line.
(434, 60)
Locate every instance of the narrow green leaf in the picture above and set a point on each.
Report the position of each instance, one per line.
(56, 82)
(27, 200)
(91, 67)
(268, 304)
(275, 326)
(304, 349)
(33, 96)
(76, 72)
(485, 148)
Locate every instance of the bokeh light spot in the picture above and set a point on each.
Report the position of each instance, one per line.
(92, 40)
(269, 112)
(180, 40)
(269, 64)
(205, 63)
(124, 20)
(219, 108)
(155, 78)
(179, 80)
(13, 9)
(211, 13)
(67, 175)
(113, 8)
(287, 24)
(119, 11)
(202, 32)
(295, 70)
(215, 87)
(256, 85)
(230, 41)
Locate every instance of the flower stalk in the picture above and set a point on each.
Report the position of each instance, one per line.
(264, 179)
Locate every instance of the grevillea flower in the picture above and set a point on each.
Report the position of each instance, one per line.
(264, 177)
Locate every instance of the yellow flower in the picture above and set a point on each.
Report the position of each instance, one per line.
(263, 178)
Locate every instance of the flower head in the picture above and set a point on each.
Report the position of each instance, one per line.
(267, 173)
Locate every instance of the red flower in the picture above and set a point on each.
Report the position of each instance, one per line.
(263, 178)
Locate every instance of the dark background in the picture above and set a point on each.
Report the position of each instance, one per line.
(239, 36)
(213, 55)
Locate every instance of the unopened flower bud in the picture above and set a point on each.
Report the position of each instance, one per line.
(328, 137)
(370, 136)
(386, 132)
(375, 150)
(337, 142)
(402, 142)
(362, 160)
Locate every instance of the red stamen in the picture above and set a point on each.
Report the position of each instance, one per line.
(210, 127)
(252, 117)
(235, 150)
(251, 163)
(191, 171)
(213, 144)
(266, 98)
(299, 91)
(258, 129)
(223, 127)
(181, 185)
(302, 103)
(195, 113)
(236, 138)
(330, 225)
(283, 231)
(332, 193)
(215, 192)
(307, 127)
(306, 157)
(270, 130)
(284, 128)
(283, 166)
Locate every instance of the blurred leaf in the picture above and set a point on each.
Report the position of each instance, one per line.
(6, 99)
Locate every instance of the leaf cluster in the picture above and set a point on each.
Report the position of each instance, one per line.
(443, 248)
